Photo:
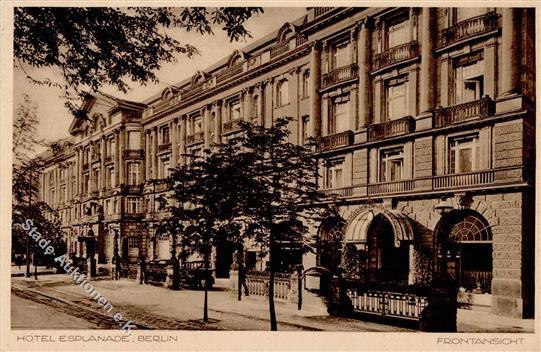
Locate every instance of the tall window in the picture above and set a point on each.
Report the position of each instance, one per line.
(306, 84)
(166, 166)
(133, 205)
(397, 32)
(396, 97)
(86, 183)
(164, 135)
(334, 175)
(96, 180)
(340, 55)
(464, 13)
(469, 78)
(255, 106)
(198, 124)
(110, 147)
(282, 93)
(338, 115)
(134, 140)
(464, 154)
(189, 126)
(110, 175)
(133, 173)
(392, 164)
(234, 110)
(305, 120)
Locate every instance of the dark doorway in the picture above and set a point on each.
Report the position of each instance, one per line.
(224, 258)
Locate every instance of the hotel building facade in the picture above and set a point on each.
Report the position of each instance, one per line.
(425, 125)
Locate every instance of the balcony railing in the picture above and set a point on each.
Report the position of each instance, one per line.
(397, 54)
(229, 72)
(164, 147)
(300, 40)
(464, 179)
(469, 28)
(390, 128)
(338, 192)
(342, 139)
(164, 104)
(341, 74)
(464, 112)
(391, 187)
(320, 11)
(132, 189)
(133, 154)
(95, 157)
(279, 49)
(196, 137)
(231, 125)
(108, 159)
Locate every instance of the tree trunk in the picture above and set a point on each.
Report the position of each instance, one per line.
(27, 256)
(205, 305)
(272, 312)
(35, 266)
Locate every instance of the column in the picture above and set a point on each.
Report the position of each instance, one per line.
(315, 85)
(79, 173)
(148, 176)
(247, 99)
(428, 91)
(206, 127)
(144, 161)
(182, 141)
(261, 102)
(121, 148)
(102, 162)
(174, 142)
(154, 155)
(218, 122)
(117, 157)
(510, 52)
(364, 62)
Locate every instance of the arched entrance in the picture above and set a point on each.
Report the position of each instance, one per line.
(162, 247)
(464, 250)
(388, 256)
(329, 243)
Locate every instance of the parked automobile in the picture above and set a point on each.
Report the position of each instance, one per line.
(195, 276)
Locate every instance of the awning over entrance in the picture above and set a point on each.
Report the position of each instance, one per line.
(357, 226)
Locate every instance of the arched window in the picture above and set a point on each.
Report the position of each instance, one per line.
(282, 93)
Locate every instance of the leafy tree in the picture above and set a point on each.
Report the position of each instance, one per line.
(280, 194)
(96, 46)
(25, 204)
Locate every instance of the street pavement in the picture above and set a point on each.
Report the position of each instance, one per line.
(153, 307)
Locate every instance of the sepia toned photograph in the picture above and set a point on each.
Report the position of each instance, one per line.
(300, 169)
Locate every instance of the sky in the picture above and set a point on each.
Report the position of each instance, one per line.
(55, 119)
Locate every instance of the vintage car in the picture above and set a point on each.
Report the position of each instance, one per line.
(195, 276)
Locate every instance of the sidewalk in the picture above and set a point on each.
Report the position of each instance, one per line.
(249, 314)
(16, 271)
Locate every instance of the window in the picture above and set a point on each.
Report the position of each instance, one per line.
(234, 110)
(305, 120)
(340, 55)
(96, 180)
(197, 124)
(396, 98)
(110, 147)
(306, 84)
(110, 177)
(464, 13)
(133, 173)
(392, 164)
(464, 154)
(334, 174)
(164, 135)
(134, 140)
(469, 78)
(109, 206)
(255, 106)
(166, 165)
(133, 205)
(397, 33)
(338, 117)
(86, 183)
(282, 93)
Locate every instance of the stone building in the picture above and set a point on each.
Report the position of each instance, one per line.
(425, 120)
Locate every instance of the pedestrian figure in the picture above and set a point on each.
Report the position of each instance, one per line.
(242, 279)
(143, 267)
(118, 267)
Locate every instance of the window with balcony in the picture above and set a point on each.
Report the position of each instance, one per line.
(391, 165)
(464, 154)
(282, 93)
(339, 55)
(398, 32)
(469, 78)
(306, 84)
(134, 140)
(334, 174)
(396, 98)
(133, 205)
(338, 115)
(133, 173)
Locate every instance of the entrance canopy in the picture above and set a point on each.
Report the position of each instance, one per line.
(357, 226)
